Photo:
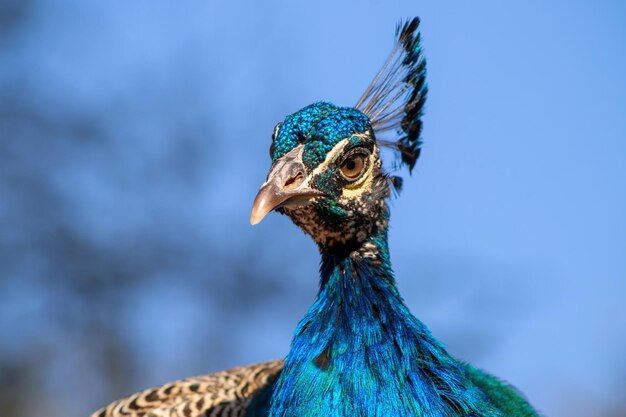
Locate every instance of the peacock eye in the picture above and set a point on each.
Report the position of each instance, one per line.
(352, 167)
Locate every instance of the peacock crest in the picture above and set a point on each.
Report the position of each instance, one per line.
(394, 101)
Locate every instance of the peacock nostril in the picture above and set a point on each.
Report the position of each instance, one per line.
(294, 181)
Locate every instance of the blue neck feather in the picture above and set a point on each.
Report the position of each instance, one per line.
(360, 352)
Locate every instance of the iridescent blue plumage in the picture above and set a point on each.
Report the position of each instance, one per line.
(360, 352)
(319, 126)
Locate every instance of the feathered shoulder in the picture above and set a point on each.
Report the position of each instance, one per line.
(228, 393)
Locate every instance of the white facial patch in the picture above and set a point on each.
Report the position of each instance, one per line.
(276, 130)
(353, 189)
(330, 157)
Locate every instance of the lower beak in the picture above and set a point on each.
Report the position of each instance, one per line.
(286, 185)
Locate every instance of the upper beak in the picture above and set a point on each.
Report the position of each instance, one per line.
(286, 185)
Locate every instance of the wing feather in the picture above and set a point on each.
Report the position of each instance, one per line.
(222, 394)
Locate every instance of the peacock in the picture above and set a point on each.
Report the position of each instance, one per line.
(358, 351)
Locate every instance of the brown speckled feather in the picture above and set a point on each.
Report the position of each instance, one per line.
(223, 394)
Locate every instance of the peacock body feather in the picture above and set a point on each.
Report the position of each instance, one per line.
(358, 351)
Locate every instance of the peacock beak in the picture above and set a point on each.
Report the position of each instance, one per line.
(286, 185)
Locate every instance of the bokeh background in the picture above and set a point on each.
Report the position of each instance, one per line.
(134, 135)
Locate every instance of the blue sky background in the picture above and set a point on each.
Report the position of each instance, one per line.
(134, 135)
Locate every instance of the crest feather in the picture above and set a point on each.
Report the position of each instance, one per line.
(394, 101)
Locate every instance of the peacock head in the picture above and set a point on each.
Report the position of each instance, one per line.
(326, 175)
(326, 172)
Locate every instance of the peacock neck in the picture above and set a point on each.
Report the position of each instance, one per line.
(358, 292)
(359, 351)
